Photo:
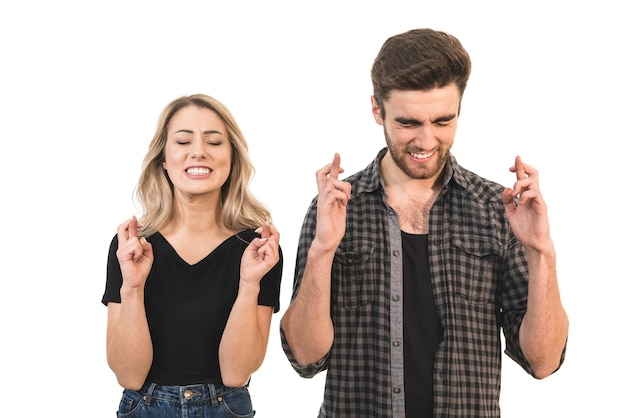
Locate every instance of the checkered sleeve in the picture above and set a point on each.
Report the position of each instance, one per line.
(307, 234)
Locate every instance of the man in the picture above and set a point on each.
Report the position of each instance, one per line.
(408, 270)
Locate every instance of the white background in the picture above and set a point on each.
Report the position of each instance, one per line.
(81, 88)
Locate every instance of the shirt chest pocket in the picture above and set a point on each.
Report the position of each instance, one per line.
(354, 276)
(474, 266)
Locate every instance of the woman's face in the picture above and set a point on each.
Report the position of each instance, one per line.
(197, 152)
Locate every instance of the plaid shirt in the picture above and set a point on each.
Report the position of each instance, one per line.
(479, 278)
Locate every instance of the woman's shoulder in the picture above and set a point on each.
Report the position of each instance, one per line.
(246, 235)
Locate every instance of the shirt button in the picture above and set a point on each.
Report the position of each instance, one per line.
(396, 253)
(395, 343)
(396, 390)
(188, 394)
(395, 298)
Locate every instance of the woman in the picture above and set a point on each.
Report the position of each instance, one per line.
(192, 286)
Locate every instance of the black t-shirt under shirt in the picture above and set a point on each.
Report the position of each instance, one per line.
(422, 328)
(187, 306)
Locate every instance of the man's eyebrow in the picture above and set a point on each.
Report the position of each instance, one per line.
(445, 118)
(408, 121)
(412, 121)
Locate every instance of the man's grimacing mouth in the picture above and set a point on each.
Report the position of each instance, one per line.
(421, 156)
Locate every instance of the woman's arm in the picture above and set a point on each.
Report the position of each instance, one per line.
(128, 345)
(244, 341)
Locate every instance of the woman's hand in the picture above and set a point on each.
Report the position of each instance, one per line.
(261, 255)
(134, 254)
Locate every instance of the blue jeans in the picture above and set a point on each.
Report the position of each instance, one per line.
(197, 401)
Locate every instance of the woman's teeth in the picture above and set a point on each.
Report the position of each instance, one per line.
(196, 171)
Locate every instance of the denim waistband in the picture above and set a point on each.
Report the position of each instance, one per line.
(207, 392)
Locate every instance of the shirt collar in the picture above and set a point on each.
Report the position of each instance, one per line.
(372, 179)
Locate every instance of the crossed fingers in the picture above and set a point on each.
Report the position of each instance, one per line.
(328, 183)
(527, 185)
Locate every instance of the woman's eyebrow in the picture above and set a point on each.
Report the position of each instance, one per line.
(189, 131)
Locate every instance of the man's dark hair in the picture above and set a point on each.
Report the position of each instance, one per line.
(420, 59)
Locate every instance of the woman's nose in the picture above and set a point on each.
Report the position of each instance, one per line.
(198, 149)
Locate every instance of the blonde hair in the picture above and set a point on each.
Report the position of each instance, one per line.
(155, 193)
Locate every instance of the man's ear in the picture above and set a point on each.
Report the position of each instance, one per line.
(377, 111)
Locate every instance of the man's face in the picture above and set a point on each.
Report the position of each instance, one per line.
(419, 129)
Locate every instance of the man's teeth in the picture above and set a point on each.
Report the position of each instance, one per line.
(196, 171)
(422, 156)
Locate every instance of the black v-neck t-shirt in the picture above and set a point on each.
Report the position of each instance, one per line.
(422, 328)
(187, 306)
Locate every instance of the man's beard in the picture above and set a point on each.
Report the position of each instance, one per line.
(426, 172)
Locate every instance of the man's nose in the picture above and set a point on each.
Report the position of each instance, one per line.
(424, 136)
